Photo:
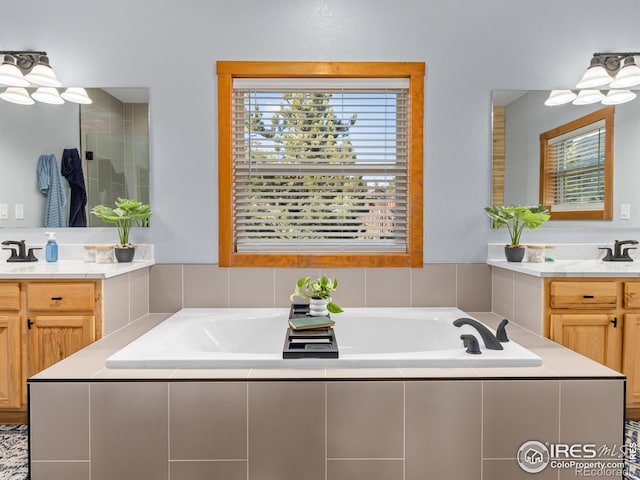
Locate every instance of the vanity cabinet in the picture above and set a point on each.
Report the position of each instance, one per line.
(10, 346)
(42, 322)
(60, 321)
(599, 318)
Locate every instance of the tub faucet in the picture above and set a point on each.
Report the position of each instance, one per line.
(619, 254)
(21, 254)
(489, 339)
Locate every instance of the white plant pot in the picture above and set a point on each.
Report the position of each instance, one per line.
(318, 307)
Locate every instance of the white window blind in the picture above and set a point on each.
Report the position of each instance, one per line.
(320, 165)
(577, 168)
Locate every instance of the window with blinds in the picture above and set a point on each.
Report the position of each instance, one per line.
(320, 165)
(576, 159)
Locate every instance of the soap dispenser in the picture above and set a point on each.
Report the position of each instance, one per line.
(51, 250)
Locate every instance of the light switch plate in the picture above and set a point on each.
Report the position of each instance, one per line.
(19, 211)
(625, 211)
(4, 211)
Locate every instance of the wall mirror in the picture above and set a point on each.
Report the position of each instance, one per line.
(519, 117)
(111, 136)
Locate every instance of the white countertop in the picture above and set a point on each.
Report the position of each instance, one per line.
(571, 268)
(69, 269)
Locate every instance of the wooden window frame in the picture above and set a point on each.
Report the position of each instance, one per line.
(228, 70)
(606, 213)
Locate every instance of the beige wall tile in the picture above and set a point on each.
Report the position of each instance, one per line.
(442, 417)
(116, 303)
(286, 430)
(193, 470)
(388, 287)
(208, 421)
(590, 412)
(139, 297)
(351, 286)
(365, 469)
(467, 285)
(433, 286)
(510, 470)
(59, 421)
(528, 301)
(129, 431)
(285, 282)
(365, 419)
(60, 470)
(206, 286)
(502, 284)
(474, 287)
(251, 287)
(165, 288)
(518, 411)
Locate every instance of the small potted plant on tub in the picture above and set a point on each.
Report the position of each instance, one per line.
(319, 294)
(127, 213)
(516, 218)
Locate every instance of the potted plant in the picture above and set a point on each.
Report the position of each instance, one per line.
(319, 294)
(516, 218)
(127, 212)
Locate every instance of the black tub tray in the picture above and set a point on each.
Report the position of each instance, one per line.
(311, 343)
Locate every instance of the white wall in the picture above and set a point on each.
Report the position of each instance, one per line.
(470, 47)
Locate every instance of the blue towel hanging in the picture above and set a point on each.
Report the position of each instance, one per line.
(71, 168)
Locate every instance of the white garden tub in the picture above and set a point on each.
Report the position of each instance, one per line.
(367, 337)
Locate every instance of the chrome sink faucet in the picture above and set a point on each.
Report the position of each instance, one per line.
(619, 254)
(21, 254)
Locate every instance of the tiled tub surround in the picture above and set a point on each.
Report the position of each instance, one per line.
(177, 286)
(393, 423)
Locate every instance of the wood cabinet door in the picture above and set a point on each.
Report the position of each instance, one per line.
(54, 337)
(10, 361)
(597, 336)
(631, 359)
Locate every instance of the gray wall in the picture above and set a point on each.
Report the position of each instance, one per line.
(470, 48)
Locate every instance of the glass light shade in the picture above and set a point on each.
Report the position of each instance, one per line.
(628, 76)
(595, 76)
(587, 97)
(47, 95)
(10, 74)
(559, 97)
(76, 95)
(42, 74)
(17, 95)
(616, 97)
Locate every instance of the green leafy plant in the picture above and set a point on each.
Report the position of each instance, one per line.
(516, 218)
(320, 289)
(127, 212)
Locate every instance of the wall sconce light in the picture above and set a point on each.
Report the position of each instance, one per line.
(616, 70)
(22, 69)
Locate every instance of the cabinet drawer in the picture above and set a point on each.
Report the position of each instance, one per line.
(583, 295)
(9, 296)
(632, 294)
(61, 296)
